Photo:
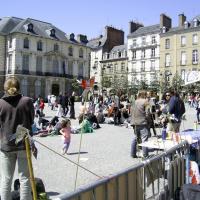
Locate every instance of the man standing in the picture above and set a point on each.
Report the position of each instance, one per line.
(72, 101)
(139, 121)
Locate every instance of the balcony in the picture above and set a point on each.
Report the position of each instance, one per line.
(195, 62)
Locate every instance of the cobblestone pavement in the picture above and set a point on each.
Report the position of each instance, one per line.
(106, 151)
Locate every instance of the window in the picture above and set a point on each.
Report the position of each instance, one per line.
(39, 45)
(167, 60)
(167, 43)
(195, 21)
(153, 52)
(143, 41)
(119, 54)
(55, 67)
(111, 69)
(80, 53)
(115, 67)
(52, 32)
(70, 51)
(142, 66)
(9, 63)
(134, 55)
(37, 88)
(80, 69)
(122, 67)
(134, 43)
(55, 47)
(152, 65)
(153, 40)
(108, 55)
(143, 53)
(183, 58)
(183, 40)
(70, 68)
(133, 67)
(183, 74)
(63, 67)
(25, 64)
(10, 42)
(24, 87)
(39, 64)
(195, 56)
(26, 43)
(194, 39)
(30, 27)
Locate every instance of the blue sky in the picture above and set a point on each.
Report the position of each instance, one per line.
(91, 16)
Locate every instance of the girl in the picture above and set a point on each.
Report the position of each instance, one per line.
(66, 134)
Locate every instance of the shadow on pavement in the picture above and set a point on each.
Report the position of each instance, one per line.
(74, 153)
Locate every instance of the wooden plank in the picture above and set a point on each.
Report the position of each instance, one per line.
(100, 192)
(122, 187)
(112, 189)
(87, 195)
(132, 185)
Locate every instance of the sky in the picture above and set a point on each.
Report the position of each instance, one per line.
(89, 17)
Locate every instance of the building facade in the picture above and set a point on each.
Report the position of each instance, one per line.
(143, 53)
(180, 48)
(115, 68)
(99, 46)
(41, 56)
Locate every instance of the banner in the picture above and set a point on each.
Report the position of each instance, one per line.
(192, 77)
(87, 83)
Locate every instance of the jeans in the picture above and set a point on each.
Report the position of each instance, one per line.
(8, 162)
(66, 146)
(141, 135)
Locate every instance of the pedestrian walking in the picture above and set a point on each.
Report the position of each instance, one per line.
(72, 110)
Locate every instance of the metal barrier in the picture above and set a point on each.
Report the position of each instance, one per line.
(155, 178)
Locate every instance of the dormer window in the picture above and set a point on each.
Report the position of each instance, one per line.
(186, 24)
(195, 21)
(163, 29)
(26, 43)
(52, 32)
(55, 47)
(30, 27)
(81, 53)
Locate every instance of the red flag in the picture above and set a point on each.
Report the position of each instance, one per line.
(83, 84)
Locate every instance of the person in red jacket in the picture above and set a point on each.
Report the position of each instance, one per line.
(41, 106)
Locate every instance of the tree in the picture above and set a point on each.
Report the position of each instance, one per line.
(177, 83)
(75, 85)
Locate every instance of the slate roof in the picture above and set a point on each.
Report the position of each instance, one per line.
(145, 31)
(42, 29)
(119, 48)
(97, 42)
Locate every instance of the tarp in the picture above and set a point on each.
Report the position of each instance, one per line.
(192, 77)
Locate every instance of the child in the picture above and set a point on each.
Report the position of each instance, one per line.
(66, 134)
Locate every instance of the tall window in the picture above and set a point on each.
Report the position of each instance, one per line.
(63, 67)
(153, 52)
(194, 39)
(81, 53)
(142, 66)
(183, 40)
(111, 69)
(122, 67)
(183, 74)
(183, 58)
(134, 43)
(9, 63)
(143, 53)
(70, 51)
(39, 45)
(25, 64)
(55, 47)
(115, 67)
(167, 60)
(38, 64)
(70, 68)
(119, 54)
(80, 69)
(55, 67)
(153, 40)
(24, 87)
(195, 56)
(10, 42)
(26, 43)
(134, 55)
(167, 43)
(152, 65)
(37, 88)
(133, 67)
(143, 41)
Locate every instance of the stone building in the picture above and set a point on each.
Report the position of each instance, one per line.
(99, 46)
(179, 47)
(143, 53)
(115, 68)
(41, 56)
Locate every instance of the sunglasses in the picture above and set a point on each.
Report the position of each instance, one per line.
(168, 95)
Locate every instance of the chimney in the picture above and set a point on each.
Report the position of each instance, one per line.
(182, 19)
(165, 21)
(133, 26)
(82, 38)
